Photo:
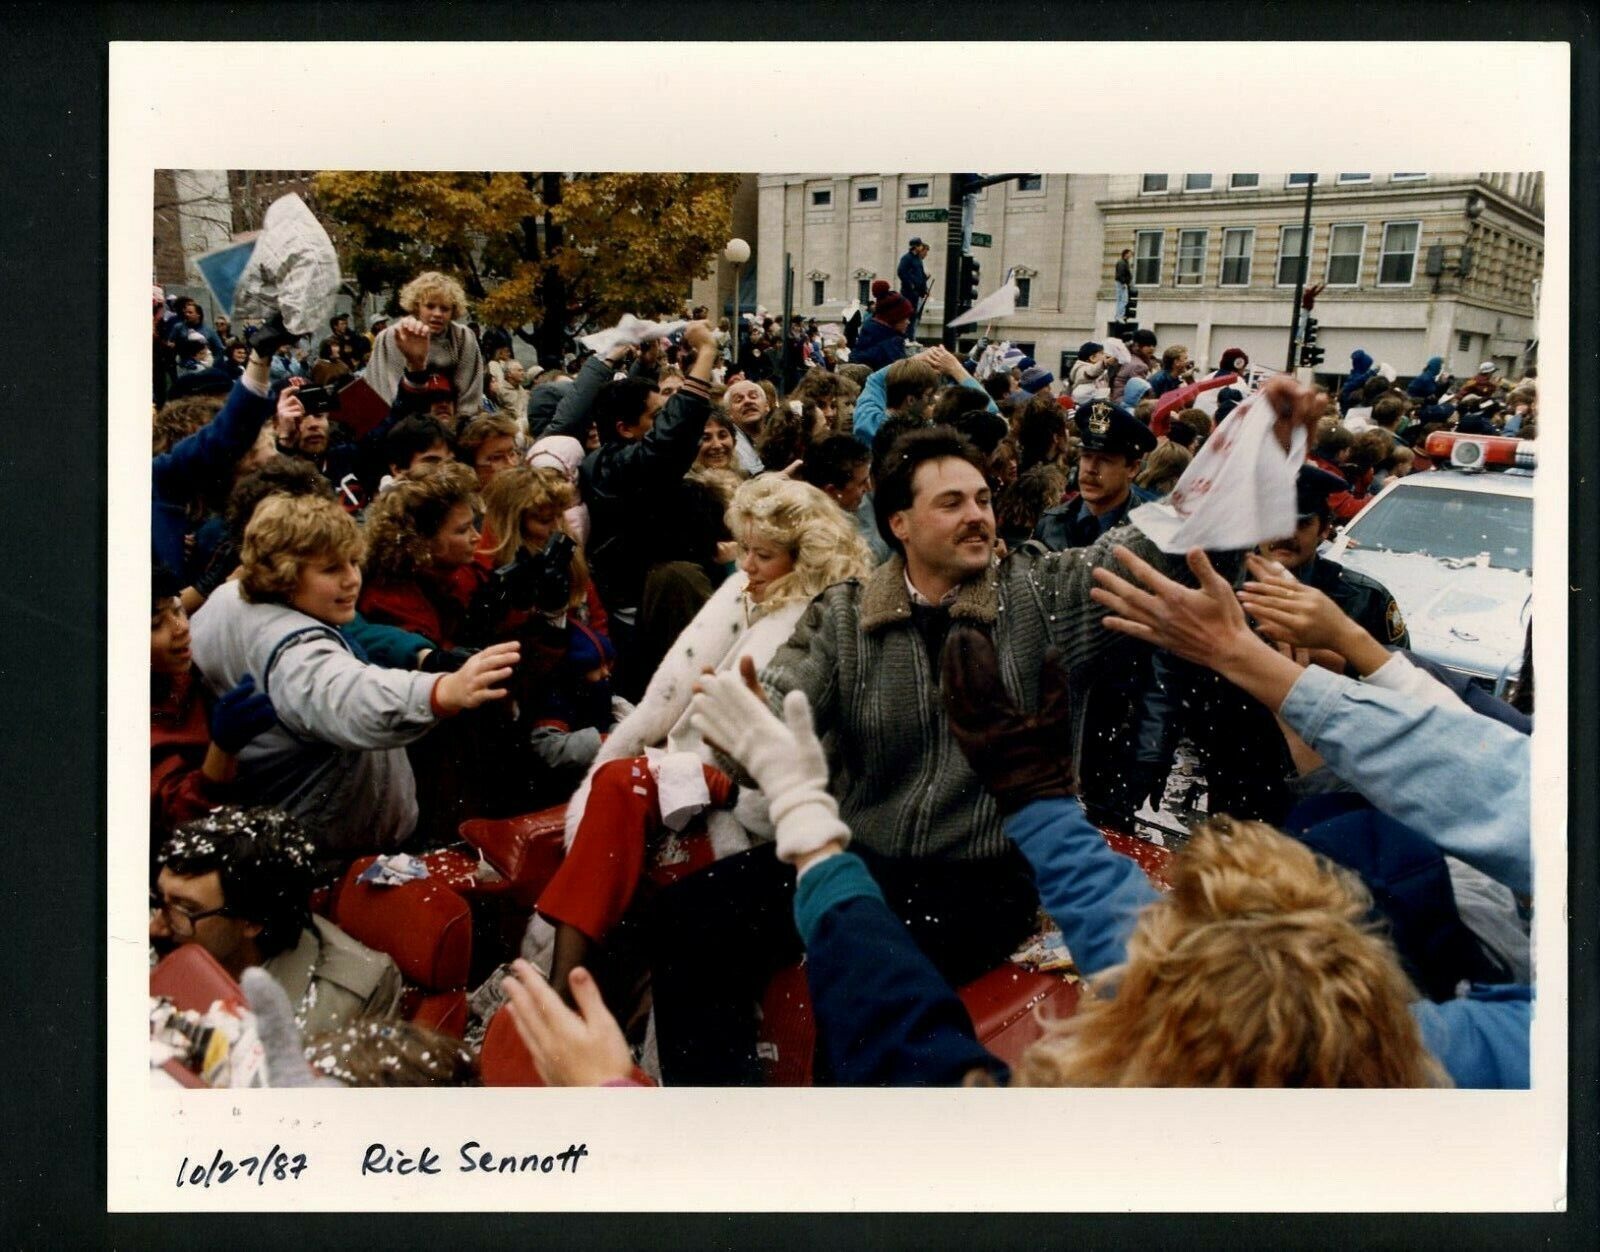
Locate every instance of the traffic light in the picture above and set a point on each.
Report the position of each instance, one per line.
(1130, 316)
(1310, 353)
(969, 282)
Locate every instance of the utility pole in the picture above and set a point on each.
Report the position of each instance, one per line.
(958, 244)
(1300, 278)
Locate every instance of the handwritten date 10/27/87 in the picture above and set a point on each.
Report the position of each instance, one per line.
(275, 1163)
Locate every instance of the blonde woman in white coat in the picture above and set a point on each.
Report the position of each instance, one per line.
(794, 541)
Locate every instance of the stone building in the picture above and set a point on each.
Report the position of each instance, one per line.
(1215, 257)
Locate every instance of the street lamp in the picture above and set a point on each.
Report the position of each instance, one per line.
(736, 254)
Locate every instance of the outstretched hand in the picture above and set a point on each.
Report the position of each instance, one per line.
(1204, 625)
(479, 678)
(569, 1049)
(1019, 756)
(1289, 611)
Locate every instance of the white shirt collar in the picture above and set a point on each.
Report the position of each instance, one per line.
(918, 598)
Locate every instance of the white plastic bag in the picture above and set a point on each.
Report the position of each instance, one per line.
(1237, 492)
(630, 330)
(294, 269)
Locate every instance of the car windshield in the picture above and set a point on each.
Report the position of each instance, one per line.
(1450, 525)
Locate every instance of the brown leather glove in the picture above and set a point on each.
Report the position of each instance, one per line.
(1020, 757)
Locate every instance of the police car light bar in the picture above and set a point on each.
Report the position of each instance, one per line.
(1478, 452)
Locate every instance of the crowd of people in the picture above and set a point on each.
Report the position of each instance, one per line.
(869, 621)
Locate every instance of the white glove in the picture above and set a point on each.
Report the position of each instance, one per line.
(784, 757)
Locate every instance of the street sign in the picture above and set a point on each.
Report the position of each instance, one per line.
(927, 215)
(981, 240)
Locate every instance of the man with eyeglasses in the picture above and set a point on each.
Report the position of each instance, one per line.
(238, 882)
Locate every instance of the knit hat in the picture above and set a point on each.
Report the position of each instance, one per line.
(1035, 380)
(1228, 355)
(880, 288)
(1026, 364)
(893, 308)
(1135, 390)
(1488, 367)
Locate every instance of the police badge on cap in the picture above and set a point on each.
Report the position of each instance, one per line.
(1107, 427)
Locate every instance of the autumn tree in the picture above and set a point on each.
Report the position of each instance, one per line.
(563, 251)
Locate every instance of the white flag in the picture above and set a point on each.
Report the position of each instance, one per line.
(1237, 492)
(1002, 303)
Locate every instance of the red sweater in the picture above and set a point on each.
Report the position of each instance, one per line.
(180, 735)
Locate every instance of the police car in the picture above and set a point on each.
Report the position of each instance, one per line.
(1454, 545)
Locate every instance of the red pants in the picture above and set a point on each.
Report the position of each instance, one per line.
(601, 872)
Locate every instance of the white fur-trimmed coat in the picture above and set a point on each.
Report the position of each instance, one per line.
(719, 636)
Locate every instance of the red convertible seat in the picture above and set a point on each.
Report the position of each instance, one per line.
(426, 928)
(525, 850)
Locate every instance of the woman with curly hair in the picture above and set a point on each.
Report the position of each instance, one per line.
(432, 339)
(794, 541)
(420, 533)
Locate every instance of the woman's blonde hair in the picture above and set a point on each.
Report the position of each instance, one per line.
(1163, 468)
(480, 430)
(1259, 969)
(403, 520)
(286, 532)
(826, 546)
(527, 491)
(433, 283)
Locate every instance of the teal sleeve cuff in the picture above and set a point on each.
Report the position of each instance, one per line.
(828, 883)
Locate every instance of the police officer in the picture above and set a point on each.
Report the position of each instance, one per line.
(1113, 443)
(1364, 599)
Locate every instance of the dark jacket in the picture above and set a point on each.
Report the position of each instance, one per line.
(1071, 525)
(197, 461)
(1361, 373)
(1124, 273)
(913, 276)
(1363, 598)
(1425, 386)
(878, 345)
(628, 485)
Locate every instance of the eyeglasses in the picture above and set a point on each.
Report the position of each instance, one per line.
(180, 921)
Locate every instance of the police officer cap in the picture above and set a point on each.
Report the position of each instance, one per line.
(1106, 427)
(1312, 488)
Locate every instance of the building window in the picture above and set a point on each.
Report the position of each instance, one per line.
(1197, 182)
(1355, 178)
(1024, 292)
(1300, 180)
(1031, 182)
(1152, 184)
(822, 198)
(1345, 245)
(816, 291)
(867, 195)
(864, 291)
(1289, 268)
(1191, 258)
(1464, 341)
(1398, 260)
(1147, 258)
(1243, 182)
(1238, 243)
(1406, 178)
(918, 191)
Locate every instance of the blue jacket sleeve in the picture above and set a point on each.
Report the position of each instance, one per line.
(1481, 1038)
(1458, 778)
(210, 453)
(884, 1015)
(870, 406)
(388, 646)
(1093, 893)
